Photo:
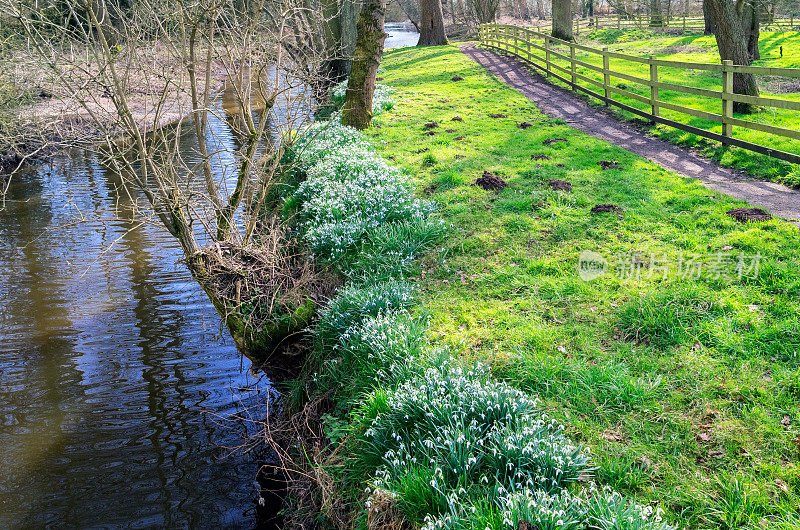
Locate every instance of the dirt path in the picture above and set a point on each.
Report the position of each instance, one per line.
(560, 103)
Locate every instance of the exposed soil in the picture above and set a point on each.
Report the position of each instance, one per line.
(490, 181)
(560, 165)
(456, 78)
(779, 85)
(749, 214)
(562, 104)
(60, 119)
(430, 125)
(443, 100)
(604, 208)
(418, 151)
(540, 157)
(458, 138)
(524, 125)
(456, 118)
(449, 130)
(495, 116)
(609, 164)
(430, 189)
(429, 133)
(551, 141)
(562, 185)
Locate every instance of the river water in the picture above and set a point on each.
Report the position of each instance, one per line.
(121, 399)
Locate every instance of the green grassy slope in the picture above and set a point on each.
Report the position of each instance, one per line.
(686, 388)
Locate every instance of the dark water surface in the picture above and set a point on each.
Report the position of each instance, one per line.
(116, 381)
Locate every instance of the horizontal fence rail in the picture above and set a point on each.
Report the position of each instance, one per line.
(643, 21)
(560, 60)
(682, 23)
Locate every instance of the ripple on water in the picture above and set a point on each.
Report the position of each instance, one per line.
(115, 380)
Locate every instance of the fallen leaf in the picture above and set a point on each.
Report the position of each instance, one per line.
(782, 485)
(716, 454)
(562, 349)
(727, 247)
(786, 421)
(697, 346)
(703, 437)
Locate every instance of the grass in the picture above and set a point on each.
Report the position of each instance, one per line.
(684, 389)
(703, 49)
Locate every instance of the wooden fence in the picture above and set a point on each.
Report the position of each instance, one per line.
(541, 50)
(679, 22)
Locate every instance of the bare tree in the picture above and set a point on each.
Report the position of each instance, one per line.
(483, 11)
(357, 111)
(411, 9)
(431, 24)
(165, 62)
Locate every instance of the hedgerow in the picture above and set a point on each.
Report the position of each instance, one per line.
(432, 438)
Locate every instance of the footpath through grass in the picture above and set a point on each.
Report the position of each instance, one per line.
(778, 49)
(683, 383)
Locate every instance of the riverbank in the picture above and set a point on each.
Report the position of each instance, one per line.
(678, 368)
(45, 110)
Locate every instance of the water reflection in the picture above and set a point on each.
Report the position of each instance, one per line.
(114, 373)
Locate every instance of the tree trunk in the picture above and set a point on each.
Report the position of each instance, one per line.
(750, 15)
(732, 43)
(707, 19)
(562, 19)
(656, 20)
(357, 110)
(431, 23)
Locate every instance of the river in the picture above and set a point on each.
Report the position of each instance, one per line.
(118, 387)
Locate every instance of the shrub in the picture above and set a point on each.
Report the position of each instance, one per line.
(379, 352)
(349, 192)
(476, 434)
(352, 305)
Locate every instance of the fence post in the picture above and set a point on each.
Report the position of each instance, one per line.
(528, 45)
(606, 76)
(619, 21)
(572, 63)
(727, 103)
(653, 87)
(547, 54)
(516, 39)
(684, 23)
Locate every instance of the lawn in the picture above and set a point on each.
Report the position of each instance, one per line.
(684, 384)
(778, 49)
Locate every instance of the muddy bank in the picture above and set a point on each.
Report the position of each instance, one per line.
(61, 109)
